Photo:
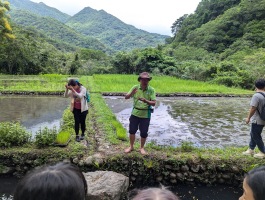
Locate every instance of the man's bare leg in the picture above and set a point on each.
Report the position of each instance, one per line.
(143, 152)
(132, 139)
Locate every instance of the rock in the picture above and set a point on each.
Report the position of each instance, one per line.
(184, 168)
(168, 166)
(221, 181)
(125, 162)
(135, 174)
(81, 163)
(190, 179)
(195, 168)
(89, 161)
(96, 158)
(29, 162)
(159, 179)
(106, 185)
(203, 167)
(173, 181)
(180, 176)
(235, 169)
(226, 176)
(172, 175)
(75, 160)
(6, 170)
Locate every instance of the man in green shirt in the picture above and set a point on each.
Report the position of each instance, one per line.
(144, 98)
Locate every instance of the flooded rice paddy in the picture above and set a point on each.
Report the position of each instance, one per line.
(204, 121)
(33, 112)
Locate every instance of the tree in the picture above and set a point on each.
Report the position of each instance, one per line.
(123, 63)
(207, 10)
(5, 28)
(75, 65)
(176, 26)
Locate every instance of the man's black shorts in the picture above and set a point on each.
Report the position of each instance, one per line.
(141, 123)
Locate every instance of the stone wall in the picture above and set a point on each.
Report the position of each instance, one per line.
(142, 170)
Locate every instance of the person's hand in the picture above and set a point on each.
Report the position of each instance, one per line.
(247, 120)
(70, 87)
(142, 99)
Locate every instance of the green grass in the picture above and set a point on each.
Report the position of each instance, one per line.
(37, 83)
(162, 84)
(106, 121)
(111, 83)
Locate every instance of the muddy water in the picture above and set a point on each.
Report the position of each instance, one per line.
(33, 112)
(206, 122)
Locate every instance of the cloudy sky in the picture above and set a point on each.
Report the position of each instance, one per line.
(155, 16)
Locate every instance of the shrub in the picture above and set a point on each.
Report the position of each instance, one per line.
(229, 79)
(13, 134)
(45, 137)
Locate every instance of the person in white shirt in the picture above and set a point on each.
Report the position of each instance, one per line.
(79, 105)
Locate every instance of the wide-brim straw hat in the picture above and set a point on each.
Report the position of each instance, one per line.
(145, 75)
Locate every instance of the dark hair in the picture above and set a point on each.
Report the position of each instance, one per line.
(155, 193)
(260, 83)
(74, 82)
(255, 179)
(62, 181)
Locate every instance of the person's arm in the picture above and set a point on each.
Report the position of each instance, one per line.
(251, 113)
(149, 102)
(152, 101)
(131, 93)
(81, 94)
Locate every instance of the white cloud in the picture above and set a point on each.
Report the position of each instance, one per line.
(150, 15)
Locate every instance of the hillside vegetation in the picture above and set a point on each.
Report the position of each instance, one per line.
(91, 23)
(222, 42)
(40, 9)
(112, 31)
(56, 30)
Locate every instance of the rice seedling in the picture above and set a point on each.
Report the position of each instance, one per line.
(162, 84)
(62, 138)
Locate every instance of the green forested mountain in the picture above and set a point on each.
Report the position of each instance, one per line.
(109, 30)
(205, 12)
(112, 31)
(232, 32)
(30, 53)
(56, 30)
(240, 24)
(39, 9)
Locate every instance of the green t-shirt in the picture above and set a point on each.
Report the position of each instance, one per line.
(143, 110)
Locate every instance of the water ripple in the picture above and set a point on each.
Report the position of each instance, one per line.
(206, 122)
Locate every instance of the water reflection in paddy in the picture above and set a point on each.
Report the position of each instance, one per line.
(206, 122)
(33, 112)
